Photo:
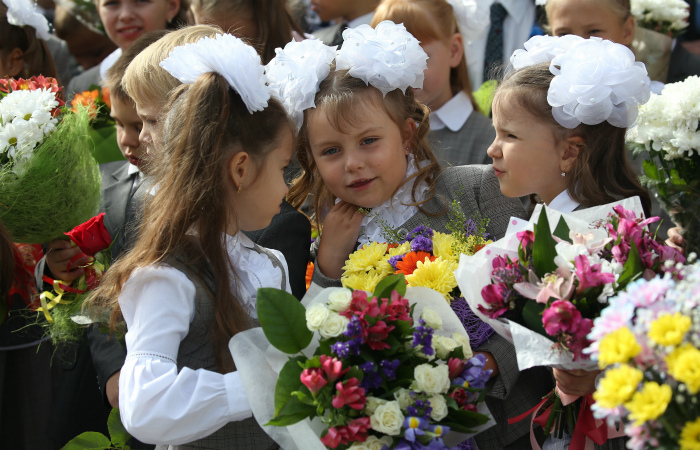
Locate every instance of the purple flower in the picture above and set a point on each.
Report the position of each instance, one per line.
(414, 426)
(423, 336)
(346, 349)
(422, 244)
(419, 231)
(371, 380)
(395, 259)
(389, 368)
(473, 375)
(354, 327)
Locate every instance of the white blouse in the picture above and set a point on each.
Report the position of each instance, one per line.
(157, 404)
(564, 203)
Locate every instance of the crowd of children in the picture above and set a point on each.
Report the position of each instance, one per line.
(201, 206)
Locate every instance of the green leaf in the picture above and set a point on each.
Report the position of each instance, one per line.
(543, 251)
(562, 230)
(288, 382)
(457, 353)
(90, 440)
(532, 316)
(651, 170)
(633, 267)
(292, 412)
(403, 326)
(283, 320)
(390, 284)
(117, 432)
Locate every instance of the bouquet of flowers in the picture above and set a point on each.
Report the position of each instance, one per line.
(547, 287)
(49, 182)
(669, 17)
(667, 128)
(372, 370)
(648, 342)
(65, 323)
(102, 127)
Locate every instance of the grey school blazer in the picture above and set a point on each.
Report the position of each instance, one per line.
(467, 145)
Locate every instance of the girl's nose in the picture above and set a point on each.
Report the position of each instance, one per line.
(126, 12)
(353, 161)
(494, 150)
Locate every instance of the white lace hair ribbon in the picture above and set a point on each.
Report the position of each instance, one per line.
(473, 18)
(228, 56)
(24, 13)
(388, 57)
(595, 79)
(296, 72)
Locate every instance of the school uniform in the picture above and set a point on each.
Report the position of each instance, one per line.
(167, 345)
(460, 135)
(333, 35)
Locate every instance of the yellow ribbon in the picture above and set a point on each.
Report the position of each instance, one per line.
(54, 300)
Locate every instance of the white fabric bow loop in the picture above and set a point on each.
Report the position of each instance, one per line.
(24, 13)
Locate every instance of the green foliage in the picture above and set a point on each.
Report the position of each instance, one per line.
(633, 267)
(283, 320)
(390, 234)
(532, 317)
(562, 230)
(456, 224)
(543, 249)
(390, 284)
(92, 440)
(287, 382)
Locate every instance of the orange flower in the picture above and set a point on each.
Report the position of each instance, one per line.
(390, 246)
(87, 99)
(408, 264)
(309, 273)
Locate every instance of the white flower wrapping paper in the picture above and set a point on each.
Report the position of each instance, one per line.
(474, 273)
(259, 363)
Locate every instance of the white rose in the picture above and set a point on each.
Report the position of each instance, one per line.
(439, 411)
(431, 319)
(403, 396)
(340, 300)
(334, 326)
(464, 342)
(387, 419)
(315, 316)
(372, 404)
(444, 346)
(432, 380)
(373, 443)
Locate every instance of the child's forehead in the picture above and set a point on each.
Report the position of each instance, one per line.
(347, 112)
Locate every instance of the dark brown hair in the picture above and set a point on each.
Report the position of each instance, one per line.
(37, 59)
(207, 123)
(343, 99)
(602, 173)
(274, 21)
(113, 78)
(428, 21)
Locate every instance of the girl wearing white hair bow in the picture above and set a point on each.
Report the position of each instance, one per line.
(190, 282)
(561, 119)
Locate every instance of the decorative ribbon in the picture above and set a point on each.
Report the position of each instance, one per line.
(588, 429)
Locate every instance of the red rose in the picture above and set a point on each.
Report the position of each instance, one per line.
(91, 236)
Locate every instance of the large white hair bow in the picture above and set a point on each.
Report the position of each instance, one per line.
(473, 18)
(24, 12)
(388, 57)
(296, 72)
(228, 56)
(595, 80)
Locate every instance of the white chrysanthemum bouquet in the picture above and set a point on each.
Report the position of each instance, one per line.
(669, 17)
(667, 128)
(49, 181)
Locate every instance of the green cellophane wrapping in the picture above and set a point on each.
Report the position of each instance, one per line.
(58, 189)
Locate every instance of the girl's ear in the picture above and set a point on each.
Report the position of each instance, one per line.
(456, 50)
(173, 9)
(13, 63)
(573, 146)
(239, 168)
(628, 31)
(407, 132)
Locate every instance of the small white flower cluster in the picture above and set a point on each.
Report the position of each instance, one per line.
(326, 318)
(25, 119)
(444, 345)
(673, 12)
(668, 123)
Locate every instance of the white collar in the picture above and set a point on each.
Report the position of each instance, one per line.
(564, 203)
(395, 211)
(132, 169)
(516, 8)
(452, 114)
(362, 20)
(109, 62)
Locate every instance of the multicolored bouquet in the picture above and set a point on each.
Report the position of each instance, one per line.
(102, 127)
(49, 182)
(65, 323)
(648, 342)
(667, 127)
(392, 369)
(669, 17)
(546, 288)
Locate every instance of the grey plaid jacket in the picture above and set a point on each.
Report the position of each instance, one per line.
(467, 145)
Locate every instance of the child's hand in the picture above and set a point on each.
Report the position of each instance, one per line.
(675, 239)
(341, 228)
(576, 382)
(58, 253)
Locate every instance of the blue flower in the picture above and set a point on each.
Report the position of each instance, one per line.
(414, 426)
(372, 379)
(389, 368)
(473, 375)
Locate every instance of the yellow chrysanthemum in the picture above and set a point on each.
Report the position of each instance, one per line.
(446, 247)
(437, 275)
(617, 347)
(617, 386)
(684, 366)
(669, 329)
(690, 436)
(363, 281)
(649, 403)
(400, 250)
(369, 257)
